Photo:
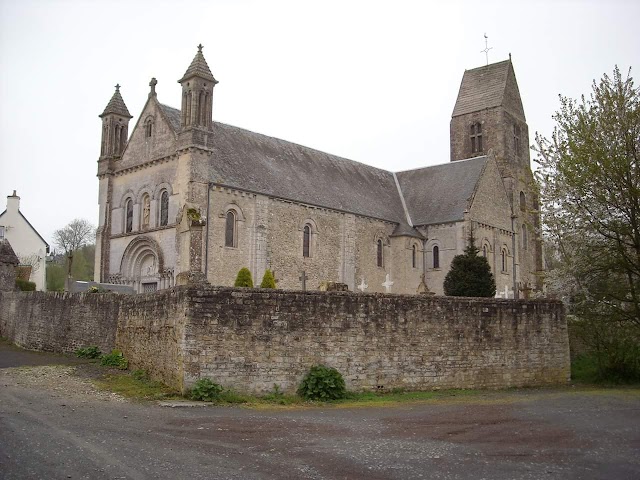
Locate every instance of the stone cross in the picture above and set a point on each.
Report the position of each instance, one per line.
(387, 284)
(363, 286)
(303, 278)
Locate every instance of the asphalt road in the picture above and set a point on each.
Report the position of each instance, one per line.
(534, 434)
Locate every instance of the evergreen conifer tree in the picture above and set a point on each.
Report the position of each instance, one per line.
(470, 275)
(244, 278)
(267, 280)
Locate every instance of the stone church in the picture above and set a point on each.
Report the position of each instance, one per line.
(185, 198)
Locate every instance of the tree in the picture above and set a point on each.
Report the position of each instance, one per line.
(590, 202)
(244, 278)
(470, 275)
(76, 234)
(267, 280)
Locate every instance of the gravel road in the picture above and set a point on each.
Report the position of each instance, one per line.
(55, 424)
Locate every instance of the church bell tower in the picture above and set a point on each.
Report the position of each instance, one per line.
(488, 115)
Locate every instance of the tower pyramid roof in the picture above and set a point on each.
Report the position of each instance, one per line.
(116, 105)
(489, 86)
(198, 68)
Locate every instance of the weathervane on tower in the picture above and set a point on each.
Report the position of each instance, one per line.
(486, 48)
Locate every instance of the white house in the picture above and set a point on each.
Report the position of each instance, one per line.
(26, 242)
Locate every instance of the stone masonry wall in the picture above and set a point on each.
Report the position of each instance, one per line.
(59, 322)
(251, 339)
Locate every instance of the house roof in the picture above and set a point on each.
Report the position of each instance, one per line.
(30, 226)
(116, 105)
(441, 193)
(483, 87)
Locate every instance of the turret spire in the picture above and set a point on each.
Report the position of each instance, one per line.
(197, 91)
(116, 105)
(115, 126)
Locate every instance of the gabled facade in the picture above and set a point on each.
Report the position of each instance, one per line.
(26, 242)
(189, 198)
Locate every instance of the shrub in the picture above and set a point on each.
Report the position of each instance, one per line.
(206, 390)
(25, 285)
(244, 278)
(115, 359)
(322, 383)
(267, 280)
(470, 275)
(88, 352)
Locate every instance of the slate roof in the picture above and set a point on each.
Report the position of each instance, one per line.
(7, 255)
(116, 105)
(255, 162)
(262, 164)
(173, 115)
(198, 68)
(441, 193)
(482, 87)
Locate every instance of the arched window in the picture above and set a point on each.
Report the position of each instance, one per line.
(503, 256)
(484, 251)
(523, 202)
(516, 139)
(146, 211)
(128, 226)
(188, 117)
(524, 237)
(306, 241)
(436, 257)
(116, 140)
(380, 256)
(476, 138)
(164, 208)
(123, 138)
(148, 128)
(230, 230)
(414, 255)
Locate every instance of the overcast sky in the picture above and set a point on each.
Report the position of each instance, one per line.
(371, 81)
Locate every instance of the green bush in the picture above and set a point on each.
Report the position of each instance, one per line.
(267, 280)
(88, 352)
(322, 383)
(25, 285)
(206, 390)
(244, 278)
(470, 275)
(115, 359)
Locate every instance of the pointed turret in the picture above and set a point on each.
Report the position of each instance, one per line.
(198, 68)
(115, 126)
(197, 92)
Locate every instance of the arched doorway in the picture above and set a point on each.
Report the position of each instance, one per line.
(142, 266)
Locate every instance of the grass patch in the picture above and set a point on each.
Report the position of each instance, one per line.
(136, 385)
(586, 370)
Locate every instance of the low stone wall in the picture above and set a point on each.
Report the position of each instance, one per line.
(59, 322)
(251, 339)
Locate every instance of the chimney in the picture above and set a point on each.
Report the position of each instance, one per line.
(13, 202)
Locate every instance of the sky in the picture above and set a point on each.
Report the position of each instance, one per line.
(371, 81)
